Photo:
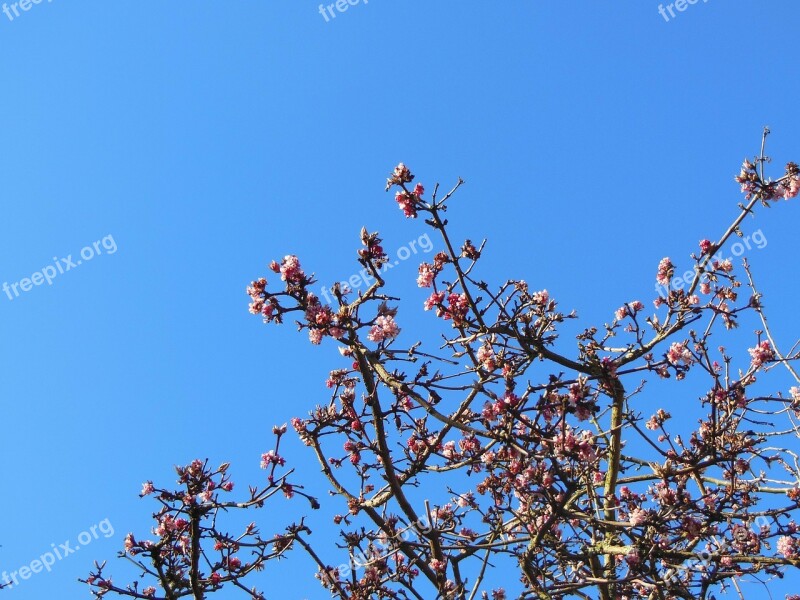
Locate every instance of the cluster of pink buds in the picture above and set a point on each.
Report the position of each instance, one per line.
(679, 353)
(629, 310)
(322, 321)
(399, 176)
(786, 187)
(384, 329)
(665, 271)
(429, 271)
(373, 251)
(706, 247)
(409, 202)
(761, 354)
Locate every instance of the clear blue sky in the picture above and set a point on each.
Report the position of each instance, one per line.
(207, 138)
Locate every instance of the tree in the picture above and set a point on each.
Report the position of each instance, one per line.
(507, 451)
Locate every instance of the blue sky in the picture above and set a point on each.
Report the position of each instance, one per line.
(594, 137)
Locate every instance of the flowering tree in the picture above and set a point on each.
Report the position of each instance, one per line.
(193, 554)
(507, 451)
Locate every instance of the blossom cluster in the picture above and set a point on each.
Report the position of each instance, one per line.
(751, 183)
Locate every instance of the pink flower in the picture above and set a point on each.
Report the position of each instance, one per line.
(426, 275)
(541, 298)
(215, 578)
(793, 188)
(458, 306)
(270, 458)
(705, 246)
(665, 271)
(315, 336)
(440, 566)
(629, 309)
(435, 299)
(761, 354)
(485, 355)
(234, 563)
(287, 490)
(385, 328)
(406, 202)
(400, 175)
(679, 353)
(787, 546)
(147, 488)
(726, 266)
(637, 516)
(290, 269)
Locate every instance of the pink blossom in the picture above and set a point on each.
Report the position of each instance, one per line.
(542, 298)
(679, 353)
(793, 188)
(665, 272)
(486, 357)
(400, 175)
(406, 203)
(629, 309)
(637, 516)
(426, 275)
(147, 488)
(787, 546)
(457, 309)
(726, 266)
(789, 189)
(440, 566)
(434, 299)
(705, 246)
(234, 563)
(288, 490)
(385, 328)
(761, 354)
(290, 269)
(270, 458)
